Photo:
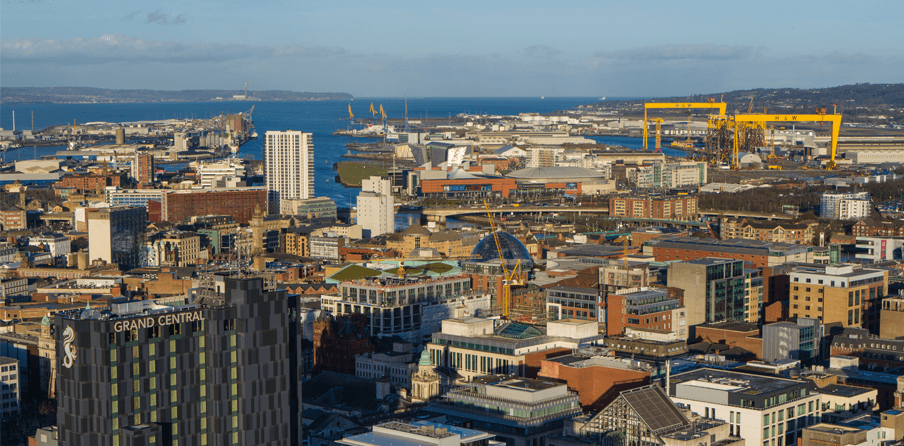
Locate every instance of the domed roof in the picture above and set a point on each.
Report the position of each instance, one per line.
(425, 358)
(512, 248)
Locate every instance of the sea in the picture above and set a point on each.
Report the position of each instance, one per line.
(321, 118)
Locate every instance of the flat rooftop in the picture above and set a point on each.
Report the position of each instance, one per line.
(734, 381)
(515, 382)
(842, 390)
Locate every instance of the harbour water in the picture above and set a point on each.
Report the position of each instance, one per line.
(320, 118)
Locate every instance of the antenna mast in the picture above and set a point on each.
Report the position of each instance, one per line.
(407, 129)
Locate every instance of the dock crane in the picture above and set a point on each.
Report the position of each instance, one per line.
(658, 122)
(508, 279)
(761, 120)
(721, 106)
(373, 112)
(385, 128)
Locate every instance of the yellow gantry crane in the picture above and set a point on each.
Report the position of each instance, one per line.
(681, 105)
(763, 119)
(505, 302)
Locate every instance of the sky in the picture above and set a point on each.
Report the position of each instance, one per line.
(464, 48)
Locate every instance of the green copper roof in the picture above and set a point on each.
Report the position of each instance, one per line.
(425, 358)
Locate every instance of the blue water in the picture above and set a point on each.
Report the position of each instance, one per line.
(319, 118)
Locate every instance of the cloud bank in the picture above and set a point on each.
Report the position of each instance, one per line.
(119, 61)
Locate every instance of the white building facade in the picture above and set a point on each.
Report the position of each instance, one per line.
(762, 410)
(376, 206)
(849, 206)
(288, 166)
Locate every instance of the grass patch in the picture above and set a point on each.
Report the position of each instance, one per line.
(408, 271)
(355, 272)
(437, 267)
(351, 173)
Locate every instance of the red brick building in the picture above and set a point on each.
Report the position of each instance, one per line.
(597, 380)
(742, 335)
(180, 205)
(653, 308)
(12, 218)
(338, 340)
(670, 207)
(869, 227)
(81, 183)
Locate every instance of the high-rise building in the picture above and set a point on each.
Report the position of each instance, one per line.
(143, 168)
(376, 207)
(714, 289)
(10, 392)
(114, 234)
(223, 370)
(288, 166)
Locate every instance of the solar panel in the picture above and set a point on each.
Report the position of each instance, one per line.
(654, 408)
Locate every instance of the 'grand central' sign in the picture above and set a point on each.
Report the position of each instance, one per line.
(159, 321)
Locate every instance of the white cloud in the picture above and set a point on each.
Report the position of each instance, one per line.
(119, 48)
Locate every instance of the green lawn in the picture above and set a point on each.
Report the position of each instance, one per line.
(351, 173)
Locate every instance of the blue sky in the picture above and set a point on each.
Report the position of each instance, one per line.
(462, 48)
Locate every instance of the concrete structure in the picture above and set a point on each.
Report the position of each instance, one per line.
(176, 248)
(10, 391)
(398, 365)
(847, 294)
(880, 249)
(475, 347)
(14, 287)
(226, 173)
(312, 207)
(114, 234)
(288, 166)
(851, 206)
(667, 207)
(891, 317)
(376, 207)
(449, 243)
(56, 244)
(519, 411)
(420, 433)
(786, 340)
(205, 373)
(669, 175)
(543, 157)
(760, 409)
(714, 289)
(570, 302)
(411, 307)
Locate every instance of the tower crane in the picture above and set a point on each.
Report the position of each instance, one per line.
(508, 279)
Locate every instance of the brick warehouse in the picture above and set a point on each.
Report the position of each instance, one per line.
(180, 205)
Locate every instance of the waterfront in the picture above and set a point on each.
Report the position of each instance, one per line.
(320, 118)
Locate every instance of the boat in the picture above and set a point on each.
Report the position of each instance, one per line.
(603, 98)
(542, 97)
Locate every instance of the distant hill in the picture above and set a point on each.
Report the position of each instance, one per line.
(853, 100)
(64, 95)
